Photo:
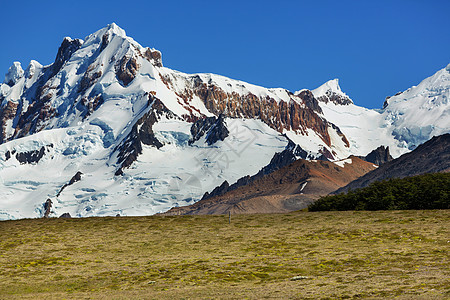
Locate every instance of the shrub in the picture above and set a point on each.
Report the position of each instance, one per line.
(429, 191)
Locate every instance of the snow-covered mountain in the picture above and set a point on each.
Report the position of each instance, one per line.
(145, 138)
(407, 119)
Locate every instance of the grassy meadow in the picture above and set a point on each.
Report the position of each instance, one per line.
(302, 255)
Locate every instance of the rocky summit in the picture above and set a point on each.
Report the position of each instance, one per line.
(147, 138)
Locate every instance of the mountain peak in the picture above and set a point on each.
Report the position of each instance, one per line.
(15, 72)
(331, 91)
(447, 68)
(115, 29)
(331, 85)
(106, 32)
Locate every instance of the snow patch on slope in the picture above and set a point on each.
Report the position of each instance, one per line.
(341, 163)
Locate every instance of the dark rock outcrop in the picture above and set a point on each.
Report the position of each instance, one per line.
(431, 157)
(153, 56)
(311, 102)
(91, 104)
(214, 128)
(127, 69)
(291, 153)
(105, 41)
(65, 216)
(39, 112)
(141, 133)
(75, 178)
(219, 190)
(65, 51)
(300, 113)
(290, 188)
(7, 113)
(379, 156)
(32, 157)
(47, 208)
(7, 155)
(89, 79)
(338, 99)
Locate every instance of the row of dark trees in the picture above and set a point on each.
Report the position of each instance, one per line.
(429, 191)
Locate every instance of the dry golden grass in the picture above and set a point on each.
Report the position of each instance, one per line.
(402, 254)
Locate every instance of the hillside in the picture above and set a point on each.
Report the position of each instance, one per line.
(430, 157)
(290, 188)
(428, 191)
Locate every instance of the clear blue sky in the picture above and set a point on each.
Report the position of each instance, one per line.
(375, 48)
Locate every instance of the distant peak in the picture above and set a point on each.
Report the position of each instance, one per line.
(447, 68)
(330, 85)
(15, 72)
(105, 33)
(331, 91)
(31, 69)
(115, 29)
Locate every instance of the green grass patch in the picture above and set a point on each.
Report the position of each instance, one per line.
(338, 255)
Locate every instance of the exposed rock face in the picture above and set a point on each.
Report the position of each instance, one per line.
(75, 178)
(47, 208)
(279, 116)
(292, 153)
(431, 157)
(91, 104)
(310, 101)
(220, 190)
(89, 78)
(105, 41)
(335, 98)
(153, 56)
(126, 70)
(65, 216)
(299, 114)
(7, 114)
(214, 128)
(291, 187)
(65, 51)
(35, 118)
(29, 157)
(386, 101)
(141, 133)
(331, 92)
(379, 156)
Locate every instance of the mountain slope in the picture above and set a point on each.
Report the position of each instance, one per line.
(431, 157)
(426, 191)
(290, 188)
(407, 119)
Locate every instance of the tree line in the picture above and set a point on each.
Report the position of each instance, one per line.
(429, 191)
